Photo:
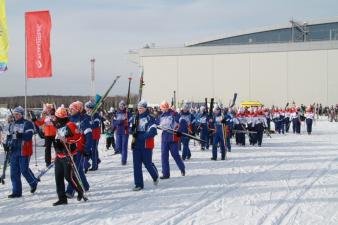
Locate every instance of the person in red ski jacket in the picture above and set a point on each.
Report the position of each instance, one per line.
(65, 148)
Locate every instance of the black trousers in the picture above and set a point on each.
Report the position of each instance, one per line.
(65, 170)
(252, 136)
(49, 140)
(287, 125)
(260, 131)
(240, 137)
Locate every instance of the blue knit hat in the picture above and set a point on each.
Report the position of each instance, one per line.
(142, 104)
(20, 110)
(90, 105)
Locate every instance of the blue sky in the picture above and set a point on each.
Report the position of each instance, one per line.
(108, 29)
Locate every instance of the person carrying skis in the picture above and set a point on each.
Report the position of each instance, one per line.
(228, 125)
(203, 128)
(96, 133)
(82, 122)
(218, 138)
(5, 141)
(143, 146)
(49, 130)
(121, 124)
(21, 149)
(309, 115)
(65, 148)
(186, 123)
(261, 124)
(169, 141)
(109, 129)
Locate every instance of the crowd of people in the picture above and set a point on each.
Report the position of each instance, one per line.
(75, 132)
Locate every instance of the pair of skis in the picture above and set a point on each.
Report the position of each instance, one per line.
(7, 154)
(44, 171)
(182, 133)
(137, 116)
(3, 176)
(100, 102)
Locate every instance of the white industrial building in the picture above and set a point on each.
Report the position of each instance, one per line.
(293, 62)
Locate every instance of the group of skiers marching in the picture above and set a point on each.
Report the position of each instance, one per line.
(75, 132)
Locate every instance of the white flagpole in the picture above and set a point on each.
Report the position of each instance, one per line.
(25, 72)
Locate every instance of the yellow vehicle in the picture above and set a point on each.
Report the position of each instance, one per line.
(251, 104)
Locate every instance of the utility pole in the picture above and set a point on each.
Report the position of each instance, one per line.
(92, 63)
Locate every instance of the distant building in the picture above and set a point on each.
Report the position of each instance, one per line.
(292, 62)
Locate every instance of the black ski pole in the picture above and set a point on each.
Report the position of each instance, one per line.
(77, 175)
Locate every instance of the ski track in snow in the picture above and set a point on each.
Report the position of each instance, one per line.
(196, 208)
(292, 179)
(272, 218)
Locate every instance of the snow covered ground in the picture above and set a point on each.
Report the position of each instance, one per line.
(292, 179)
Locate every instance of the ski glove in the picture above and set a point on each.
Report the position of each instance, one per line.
(19, 135)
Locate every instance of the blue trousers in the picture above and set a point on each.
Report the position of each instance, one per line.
(218, 138)
(308, 125)
(20, 165)
(281, 127)
(95, 154)
(79, 161)
(204, 135)
(173, 148)
(186, 150)
(122, 146)
(143, 155)
(297, 126)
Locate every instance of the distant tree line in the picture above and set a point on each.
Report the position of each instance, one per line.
(37, 101)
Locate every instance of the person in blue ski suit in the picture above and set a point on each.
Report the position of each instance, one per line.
(218, 137)
(21, 149)
(228, 121)
(298, 121)
(143, 146)
(281, 121)
(96, 132)
(309, 115)
(121, 125)
(169, 143)
(82, 122)
(186, 123)
(203, 128)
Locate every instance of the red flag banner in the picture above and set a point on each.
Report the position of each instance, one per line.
(38, 57)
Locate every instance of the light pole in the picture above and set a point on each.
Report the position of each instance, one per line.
(92, 62)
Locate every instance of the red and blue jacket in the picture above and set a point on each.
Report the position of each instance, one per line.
(146, 131)
(169, 120)
(96, 126)
(21, 137)
(82, 121)
(121, 122)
